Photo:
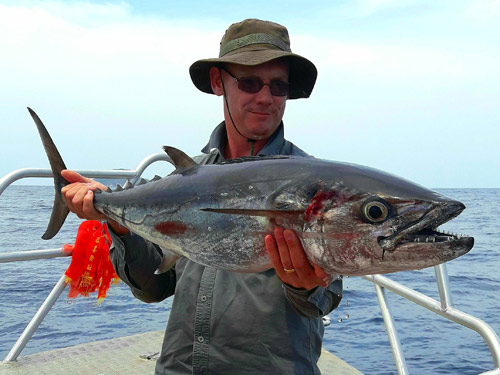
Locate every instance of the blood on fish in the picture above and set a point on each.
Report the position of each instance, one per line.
(318, 204)
(320, 199)
(171, 228)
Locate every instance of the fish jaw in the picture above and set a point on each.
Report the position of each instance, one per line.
(437, 213)
(420, 244)
(418, 255)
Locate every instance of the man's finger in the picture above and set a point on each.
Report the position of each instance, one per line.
(306, 272)
(320, 273)
(284, 252)
(274, 254)
(72, 176)
(297, 255)
(88, 207)
(272, 250)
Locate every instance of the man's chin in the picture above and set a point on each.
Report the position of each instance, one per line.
(261, 131)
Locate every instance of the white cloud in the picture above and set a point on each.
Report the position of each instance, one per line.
(51, 51)
(48, 35)
(483, 10)
(105, 83)
(118, 83)
(366, 8)
(397, 62)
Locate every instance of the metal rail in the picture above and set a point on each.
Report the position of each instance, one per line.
(36, 320)
(46, 305)
(7, 180)
(33, 254)
(443, 307)
(132, 175)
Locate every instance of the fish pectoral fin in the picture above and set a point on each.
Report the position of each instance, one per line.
(253, 212)
(179, 158)
(168, 261)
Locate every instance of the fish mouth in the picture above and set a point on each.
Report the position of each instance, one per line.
(425, 230)
(429, 235)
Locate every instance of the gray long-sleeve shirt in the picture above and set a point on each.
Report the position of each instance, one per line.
(224, 322)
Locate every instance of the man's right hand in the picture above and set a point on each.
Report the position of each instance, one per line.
(79, 197)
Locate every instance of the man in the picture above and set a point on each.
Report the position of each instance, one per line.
(223, 322)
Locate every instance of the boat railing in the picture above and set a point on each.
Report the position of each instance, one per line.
(444, 307)
(132, 174)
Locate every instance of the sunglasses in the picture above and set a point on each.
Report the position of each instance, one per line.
(253, 85)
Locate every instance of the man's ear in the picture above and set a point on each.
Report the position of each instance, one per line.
(216, 81)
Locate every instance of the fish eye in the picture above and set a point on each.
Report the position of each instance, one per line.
(376, 210)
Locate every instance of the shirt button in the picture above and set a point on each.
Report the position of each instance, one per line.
(203, 298)
(200, 339)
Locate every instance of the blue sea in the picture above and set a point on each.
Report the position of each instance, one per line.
(432, 344)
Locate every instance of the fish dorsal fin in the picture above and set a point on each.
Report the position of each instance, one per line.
(179, 158)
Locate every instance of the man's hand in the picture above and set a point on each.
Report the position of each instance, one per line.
(291, 263)
(79, 197)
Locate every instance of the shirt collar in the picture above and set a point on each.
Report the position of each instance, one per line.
(218, 140)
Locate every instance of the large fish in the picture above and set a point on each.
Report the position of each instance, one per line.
(351, 219)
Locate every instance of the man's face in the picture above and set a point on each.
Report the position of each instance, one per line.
(256, 115)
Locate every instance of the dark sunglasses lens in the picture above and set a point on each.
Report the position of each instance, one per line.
(250, 85)
(254, 85)
(279, 88)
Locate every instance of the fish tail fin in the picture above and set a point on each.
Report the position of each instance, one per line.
(59, 210)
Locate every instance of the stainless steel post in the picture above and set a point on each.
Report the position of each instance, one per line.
(443, 284)
(36, 320)
(397, 351)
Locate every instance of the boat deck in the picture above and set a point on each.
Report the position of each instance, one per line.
(124, 355)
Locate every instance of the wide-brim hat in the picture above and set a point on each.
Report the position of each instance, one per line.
(253, 42)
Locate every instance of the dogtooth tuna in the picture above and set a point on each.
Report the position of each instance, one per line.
(351, 219)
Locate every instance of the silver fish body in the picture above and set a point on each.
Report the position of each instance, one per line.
(351, 219)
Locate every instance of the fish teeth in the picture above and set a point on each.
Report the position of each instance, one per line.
(156, 178)
(142, 181)
(118, 187)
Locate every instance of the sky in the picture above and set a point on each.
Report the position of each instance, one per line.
(411, 87)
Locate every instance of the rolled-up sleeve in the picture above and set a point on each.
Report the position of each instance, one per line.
(316, 302)
(135, 261)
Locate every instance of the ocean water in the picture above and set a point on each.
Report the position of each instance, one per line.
(431, 344)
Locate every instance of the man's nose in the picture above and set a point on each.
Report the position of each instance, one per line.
(264, 95)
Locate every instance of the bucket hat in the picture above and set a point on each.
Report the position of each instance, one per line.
(253, 42)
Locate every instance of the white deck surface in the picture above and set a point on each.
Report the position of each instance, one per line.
(123, 355)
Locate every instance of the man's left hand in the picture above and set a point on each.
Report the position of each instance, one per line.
(291, 263)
